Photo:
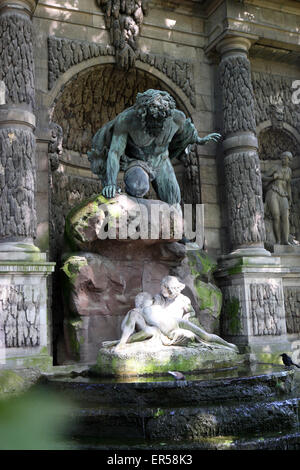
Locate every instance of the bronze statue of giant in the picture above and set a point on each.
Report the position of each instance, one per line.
(142, 141)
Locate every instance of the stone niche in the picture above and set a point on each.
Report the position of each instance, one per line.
(272, 143)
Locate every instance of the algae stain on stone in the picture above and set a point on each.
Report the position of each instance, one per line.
(210, 297)
(10, 382)
(73, 265)
(232, 309)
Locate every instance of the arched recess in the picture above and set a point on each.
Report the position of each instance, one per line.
(96, 95)
(271, 143)
(84, 98)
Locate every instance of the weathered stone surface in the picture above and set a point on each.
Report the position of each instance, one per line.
(151, 360)
(124, 20)
(271, 91)
(63, 53)
(96, 222)
(100, 290)
(106, 275)
(17, 183)
(20, 315)
(237, 94)
(16, 58)
(267, 316)
(100, 94)
(292, 308)
(244, 196)
(196, 272)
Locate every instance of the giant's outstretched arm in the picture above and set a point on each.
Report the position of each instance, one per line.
(117, 148)
(214, 137)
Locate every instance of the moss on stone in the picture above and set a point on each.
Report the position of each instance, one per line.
(201, 264)
(209, 296)
(10, 383)
(74, 339)
(232, 309)
(137, 361)
(73, 265)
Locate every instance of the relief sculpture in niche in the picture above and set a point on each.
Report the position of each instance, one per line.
(278, 198)
(279, 153)
(267, 309)
(19, 313)
(292, 309)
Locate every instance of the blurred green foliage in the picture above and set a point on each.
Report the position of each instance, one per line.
(36, 420)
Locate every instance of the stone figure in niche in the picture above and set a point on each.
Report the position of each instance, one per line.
(142, 141)
(168, 318)
(278, 197)
(276, 115)
(55, 147)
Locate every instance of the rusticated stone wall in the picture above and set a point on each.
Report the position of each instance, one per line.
(237, 94)
(64, 53)
(123, 20)
(272, 142)
(66, 192)
(95, 98)
(17, 183)
(270, 89)
(244, 196)
(191, 190)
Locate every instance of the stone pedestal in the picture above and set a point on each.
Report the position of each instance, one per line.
(149, 359)
(253, 315)
(290, 265)
(24, 338)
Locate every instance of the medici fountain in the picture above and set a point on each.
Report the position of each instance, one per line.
(143, 326)
(150, 224)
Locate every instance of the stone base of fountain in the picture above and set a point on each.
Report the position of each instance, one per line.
(153, 359)
(241, 408)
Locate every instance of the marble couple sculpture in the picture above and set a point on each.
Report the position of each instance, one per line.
(167, 318)
(142, 141)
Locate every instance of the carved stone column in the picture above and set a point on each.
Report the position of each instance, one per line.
(23, 269)
(17, 122)
(241, 163)
(253, 314)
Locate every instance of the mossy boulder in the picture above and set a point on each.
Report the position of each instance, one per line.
(11, 383)
(202, 265)
(122, 218)
(196, 272)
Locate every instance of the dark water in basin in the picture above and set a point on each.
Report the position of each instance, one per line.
(233, 372)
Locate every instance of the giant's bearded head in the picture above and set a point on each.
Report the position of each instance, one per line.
(154, 107)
